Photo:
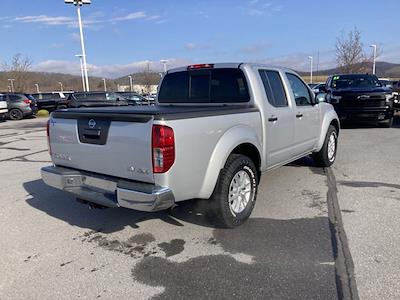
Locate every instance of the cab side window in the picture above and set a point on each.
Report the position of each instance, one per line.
(274, 88)
(301, 93)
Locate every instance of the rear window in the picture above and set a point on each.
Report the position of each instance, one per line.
(15, 97)
(205, 86)
(30, 97)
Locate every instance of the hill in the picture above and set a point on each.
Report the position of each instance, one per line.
(50, 81)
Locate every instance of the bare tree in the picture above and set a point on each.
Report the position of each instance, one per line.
(18, 69)
(147, 78)
(350, 54)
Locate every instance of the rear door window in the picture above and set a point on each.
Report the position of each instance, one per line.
(274, 88)
(14, 97)
(224, 85)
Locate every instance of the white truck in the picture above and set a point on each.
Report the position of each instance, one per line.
(3, 106)
(215, 129)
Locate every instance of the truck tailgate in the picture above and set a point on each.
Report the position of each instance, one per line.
(104, 144)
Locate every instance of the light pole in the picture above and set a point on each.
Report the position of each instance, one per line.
(37, 88)
(12, 85)
(105, 84)
(131, 82)
(374, 59)
(311, 68)
(61, 86)
(78, 4)
(82, 72)
(164, 62)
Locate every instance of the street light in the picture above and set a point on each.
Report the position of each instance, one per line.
(82, 72)
(61, 86)
(131, 82)
(374, 59)
(12, 84)
(37, 88)
(78, 4)
(311, 68)
(105, 84)
(164, 62)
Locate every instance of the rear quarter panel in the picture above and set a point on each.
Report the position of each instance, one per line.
(202, 146)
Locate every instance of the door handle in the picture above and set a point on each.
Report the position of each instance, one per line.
(299, 115)
(273, 119)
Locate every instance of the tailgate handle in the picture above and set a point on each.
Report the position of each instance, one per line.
(91, 133)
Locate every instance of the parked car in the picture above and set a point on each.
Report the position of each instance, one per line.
(92, 99)
(133, 98)
(215, 130)
(20, 105)
(49, 100)
(360, 98)
(3, 107)
(318, 88)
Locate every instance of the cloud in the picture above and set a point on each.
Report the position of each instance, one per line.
(49, 20)
(255, 49)
(190, 46)
(108, 71)
(300, 62)
(131, 16)
(260, 8)
(94, 20)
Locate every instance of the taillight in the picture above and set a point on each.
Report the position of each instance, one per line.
(48, 136)
(27, 101)
(163, 148)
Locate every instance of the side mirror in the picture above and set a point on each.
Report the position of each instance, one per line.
(321, 97)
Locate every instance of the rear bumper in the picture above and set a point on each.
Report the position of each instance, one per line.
(3, 111)
(109, 191)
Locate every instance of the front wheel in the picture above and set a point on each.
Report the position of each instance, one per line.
(235, 194)
(327, 155)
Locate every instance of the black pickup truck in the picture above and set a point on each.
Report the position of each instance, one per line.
(360, 98)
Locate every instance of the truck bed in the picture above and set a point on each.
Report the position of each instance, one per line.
(137, 113)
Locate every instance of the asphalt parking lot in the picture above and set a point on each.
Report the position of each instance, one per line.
(312, 232)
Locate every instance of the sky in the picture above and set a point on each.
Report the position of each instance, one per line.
(121, 36)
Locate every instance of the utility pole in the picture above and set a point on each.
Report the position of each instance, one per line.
(105, 84)
(78, 4)
(12, 85)
(311, 68)
(164, 62)
(131, 82)
(82, 72)
(374, 58)
(37, 88)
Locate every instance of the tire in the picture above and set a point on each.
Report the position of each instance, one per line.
(15, 114)
(229, 211)
(325, 158)
(387, 123)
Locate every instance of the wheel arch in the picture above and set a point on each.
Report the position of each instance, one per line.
(330, 118)
(241, 139)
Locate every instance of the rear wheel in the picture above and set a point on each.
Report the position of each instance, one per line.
(235, 194)
(15, 114)
(387, 123)
(327, 155)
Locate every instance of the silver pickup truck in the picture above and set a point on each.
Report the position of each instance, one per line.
(215, 129)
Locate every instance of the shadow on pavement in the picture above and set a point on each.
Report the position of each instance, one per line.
(291, 259)
(63, 206)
